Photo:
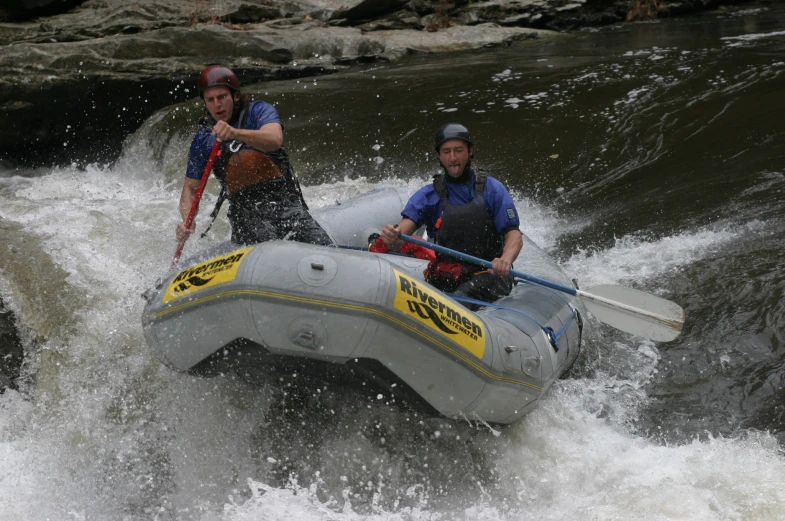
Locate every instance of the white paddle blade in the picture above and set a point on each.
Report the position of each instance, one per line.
(635, 312)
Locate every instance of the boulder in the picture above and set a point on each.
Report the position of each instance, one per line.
(325, 10)
(455, 38)
(11, 353)
(25, 9)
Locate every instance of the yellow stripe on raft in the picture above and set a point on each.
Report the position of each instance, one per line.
(352, 307)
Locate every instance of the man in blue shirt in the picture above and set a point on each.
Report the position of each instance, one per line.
(265, 200)
(467, 211)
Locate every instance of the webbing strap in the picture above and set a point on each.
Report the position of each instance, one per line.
(440, 185)
(214, 214)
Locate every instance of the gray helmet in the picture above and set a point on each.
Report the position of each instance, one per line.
(452, 131)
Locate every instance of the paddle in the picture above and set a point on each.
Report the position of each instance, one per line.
(627, 309)
(214, 153)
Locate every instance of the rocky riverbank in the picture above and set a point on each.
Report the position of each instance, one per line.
(11, 353)
(74, 83)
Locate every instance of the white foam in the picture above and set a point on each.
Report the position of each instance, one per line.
(105, 416)
(633, 258)
(575, 457)
(569, 463)
(753, 36)
(568, 460)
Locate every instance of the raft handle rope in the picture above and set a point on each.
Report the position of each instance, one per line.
(553, 336)
(365, 248)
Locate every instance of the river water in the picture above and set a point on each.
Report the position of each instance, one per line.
(649, 155)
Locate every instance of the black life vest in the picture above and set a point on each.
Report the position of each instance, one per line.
(469, 227)
(269, 188)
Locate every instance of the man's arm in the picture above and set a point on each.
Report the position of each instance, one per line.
(513, 242)
(267, 138)
(391, 235)
(190, 187)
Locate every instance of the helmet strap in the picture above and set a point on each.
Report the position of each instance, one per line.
(236, 111)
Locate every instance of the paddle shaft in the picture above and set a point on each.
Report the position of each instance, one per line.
(542, 282)
(486, 264)
(214, 154)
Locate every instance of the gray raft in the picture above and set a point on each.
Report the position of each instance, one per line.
(282, 310)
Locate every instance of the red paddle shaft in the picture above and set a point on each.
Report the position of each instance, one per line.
(214, 153)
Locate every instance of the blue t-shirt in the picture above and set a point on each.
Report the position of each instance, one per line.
(425, 206)
(259, 114)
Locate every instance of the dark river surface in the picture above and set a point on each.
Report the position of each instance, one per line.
(649, 155)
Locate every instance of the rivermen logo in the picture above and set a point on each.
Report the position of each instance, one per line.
(209, 273)
(440, 314)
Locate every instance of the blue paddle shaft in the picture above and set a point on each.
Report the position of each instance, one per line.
(485, 264)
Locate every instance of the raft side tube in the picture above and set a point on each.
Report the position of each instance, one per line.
(374, 209)
(306, 305)
(256, 365)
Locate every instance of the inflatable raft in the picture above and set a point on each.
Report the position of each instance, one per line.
(283, 311)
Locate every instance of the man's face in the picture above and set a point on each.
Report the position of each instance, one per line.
(219, 102)
(454, 155)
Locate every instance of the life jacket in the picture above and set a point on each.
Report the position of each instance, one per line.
(247, 167)
(255, 182)
(467, 228)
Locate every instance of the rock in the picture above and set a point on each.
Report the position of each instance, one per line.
(505, 13)
(80, 70)
(602, 18)
(456, 38)
(251, 13)
(399, 20)
(25, 9)
(568, 7)
(517, 20)
(11, 353)
(366, 9)
(421, 7)
(470, 18)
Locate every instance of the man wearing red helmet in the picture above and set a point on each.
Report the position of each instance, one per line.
(468, 211)
(265, 200)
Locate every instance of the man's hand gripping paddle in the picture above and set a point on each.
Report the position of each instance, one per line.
(627, 309)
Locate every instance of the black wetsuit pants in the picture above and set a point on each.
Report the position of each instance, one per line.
(287, 222)
(486, 287)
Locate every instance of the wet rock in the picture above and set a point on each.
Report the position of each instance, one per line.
(356, 10)
(569, 7)
(252, 13)
(97, 71)
(11, 354)
(25, 9)
(421, 7)
(517, 20)
(456, 38)
(469, 18)
(366, 9)
(399, 20)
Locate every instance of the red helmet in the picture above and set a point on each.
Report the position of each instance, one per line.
(215, 76)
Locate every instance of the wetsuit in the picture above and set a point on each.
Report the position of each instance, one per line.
(265, 200)
(470, 214)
